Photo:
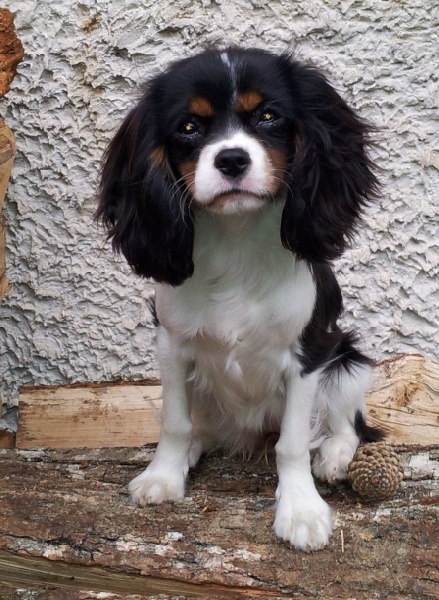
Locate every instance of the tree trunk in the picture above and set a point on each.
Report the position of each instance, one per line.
(72, 508)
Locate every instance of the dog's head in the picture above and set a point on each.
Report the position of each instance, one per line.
(230, 131)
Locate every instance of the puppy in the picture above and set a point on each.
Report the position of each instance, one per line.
(235, 181)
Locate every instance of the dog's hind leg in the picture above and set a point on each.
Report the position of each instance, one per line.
(342, 400)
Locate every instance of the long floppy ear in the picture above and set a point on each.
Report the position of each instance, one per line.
(332, 176)
(141, 205)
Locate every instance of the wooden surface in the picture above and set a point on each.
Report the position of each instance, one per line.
(11, 50)
(7, 151)
(404, 402)
(11, 53)
(89, 416)
(68, 530)
(65, 518)
(7, 439)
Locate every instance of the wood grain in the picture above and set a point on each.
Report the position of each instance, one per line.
(89, 416)
(404, 402)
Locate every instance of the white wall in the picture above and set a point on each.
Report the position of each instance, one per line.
(76, 313)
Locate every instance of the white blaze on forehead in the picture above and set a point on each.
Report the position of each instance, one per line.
(225, 57)
(210, 182)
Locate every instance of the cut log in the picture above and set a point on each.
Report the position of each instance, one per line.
(66, 523)
(7, 151)
(404, 402)
(11, 53)
(11, 50)
(7, 433)
(89, 416)
(7, 438)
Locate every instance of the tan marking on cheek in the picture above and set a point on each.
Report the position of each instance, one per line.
(187, 171)
(201, 107)
(248, 101)
(276, 169)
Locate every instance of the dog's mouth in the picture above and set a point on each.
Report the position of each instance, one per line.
(236, 201)
(236, 192)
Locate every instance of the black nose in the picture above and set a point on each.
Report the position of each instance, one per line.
(232, 162)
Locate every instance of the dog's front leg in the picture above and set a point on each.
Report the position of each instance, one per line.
(164, 478)
(302, 517)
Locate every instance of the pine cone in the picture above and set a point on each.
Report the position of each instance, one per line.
(375, 471)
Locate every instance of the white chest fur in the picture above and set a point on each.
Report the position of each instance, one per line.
(238, 318)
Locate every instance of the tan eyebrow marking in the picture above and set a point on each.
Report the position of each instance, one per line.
(248, 101)
(201, 107)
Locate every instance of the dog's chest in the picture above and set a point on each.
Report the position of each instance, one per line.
(246, 337)
(240, 316)
(240, 332)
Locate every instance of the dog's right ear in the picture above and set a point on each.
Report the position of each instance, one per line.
(144, 209)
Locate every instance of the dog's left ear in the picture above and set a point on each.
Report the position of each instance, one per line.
(332, 175)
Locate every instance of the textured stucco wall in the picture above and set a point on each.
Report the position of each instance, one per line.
(76, 313)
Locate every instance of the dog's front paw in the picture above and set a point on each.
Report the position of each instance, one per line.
(154, 487)
(305, 523)
(333, 457)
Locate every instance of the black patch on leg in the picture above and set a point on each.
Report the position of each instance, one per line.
(366, 433)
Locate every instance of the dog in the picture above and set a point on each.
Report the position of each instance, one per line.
(235, 181)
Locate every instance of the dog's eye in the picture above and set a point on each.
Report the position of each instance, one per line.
(189, 128)
(267, 116)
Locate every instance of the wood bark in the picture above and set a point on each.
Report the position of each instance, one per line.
(11, 53)
(7, 152)
(11, 50)
(66, 524)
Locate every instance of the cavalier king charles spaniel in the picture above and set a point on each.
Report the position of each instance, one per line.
(234, 182)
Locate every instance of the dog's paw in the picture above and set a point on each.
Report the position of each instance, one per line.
(333, 457)
(305, 523)
(153, 487)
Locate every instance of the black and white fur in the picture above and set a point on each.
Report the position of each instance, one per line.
(234, 181)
